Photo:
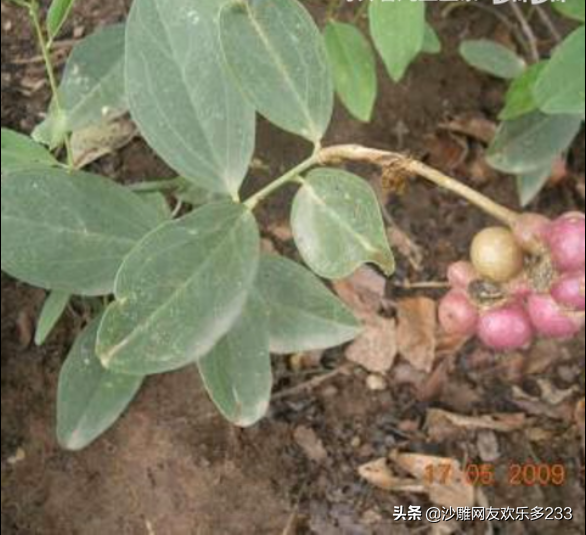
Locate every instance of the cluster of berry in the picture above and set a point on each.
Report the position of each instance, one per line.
(521, 283)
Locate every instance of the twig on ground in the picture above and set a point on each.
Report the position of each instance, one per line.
(314, 383)
(532, 41)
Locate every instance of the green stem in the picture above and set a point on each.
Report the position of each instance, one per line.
(158, 185)
(36, 20)
(401, 165)
(289, 176)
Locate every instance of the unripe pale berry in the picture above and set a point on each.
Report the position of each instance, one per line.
(496, 255)
(457, 314)
(568, 291)
(507, 328)
(565, 238)
(551, 320)
(462, 274)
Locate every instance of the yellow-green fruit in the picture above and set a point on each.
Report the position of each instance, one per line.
(496, 255)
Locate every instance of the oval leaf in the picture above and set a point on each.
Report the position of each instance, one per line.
(398, 30)
(560, 88)
(69, 231)
(180, 291)
(532, 142)
(92, 88)
(303, 314)
(53, 310)
(278, 56)
(573, 9)
(181, 95)
(20, 151)
(90, 399)
(530, 184)
(520, 100)
(237, 372)
(57, 15)
(431, 41)
(338, 225)
(354, 67)
(493, 58)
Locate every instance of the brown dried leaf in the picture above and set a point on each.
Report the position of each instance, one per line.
(442, 424)
(363, 292)
(376, 348)
(416, 333)
(448, 488)
(477, 128)
(95, 142)
(406, 247)
(379, 474)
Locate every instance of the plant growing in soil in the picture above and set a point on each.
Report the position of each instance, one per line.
(544, 107)
(191, 286)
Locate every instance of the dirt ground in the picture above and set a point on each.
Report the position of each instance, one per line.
(174, 467)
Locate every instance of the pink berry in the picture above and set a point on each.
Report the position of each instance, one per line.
(462, 274)
(568, 291)
(566, 240)
(457, 314)
(520, 288)
(507, 328)
(551, 320)
(530, 231)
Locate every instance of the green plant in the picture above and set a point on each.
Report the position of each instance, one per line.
(544, 107)
(171, 291)
(400, 34)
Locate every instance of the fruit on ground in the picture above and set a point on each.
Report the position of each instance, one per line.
(506, 328)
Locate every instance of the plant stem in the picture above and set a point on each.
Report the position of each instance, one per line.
(405, 165)
(361, 11)
(527, 31)
(158, 185)
(289, 176)
(33, 8)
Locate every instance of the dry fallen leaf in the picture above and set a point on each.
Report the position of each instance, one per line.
(406, 247)
(441, 424)
(416, 333)
(376, 348)
(363, 292)
(477, 128)
(95, 142)
(379, 474)
(444, 479)
(488, 446)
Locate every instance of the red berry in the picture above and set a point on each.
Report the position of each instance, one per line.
(507, 328)
(457, 314)
(568, 291)
(462, 274)
(566, 240)
(551, 320)
(530, 232)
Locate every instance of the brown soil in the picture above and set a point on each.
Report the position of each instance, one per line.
(172, 466)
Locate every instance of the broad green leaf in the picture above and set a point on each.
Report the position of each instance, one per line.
(531, 183)
(20, 151)
(493, 58)
(532, 142)
(560, 88)
(181, 95)
(304, 315)
(338, 226)
(69, 231)
(91, 399)
(277, 54)
(237, 372)
(53, 310)
(92, 88)
(520, 100)
(180, 291)
(573, 9)
(398, 30)
(57, 15)
(157, 202)
(431, 41)
(354, 68)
